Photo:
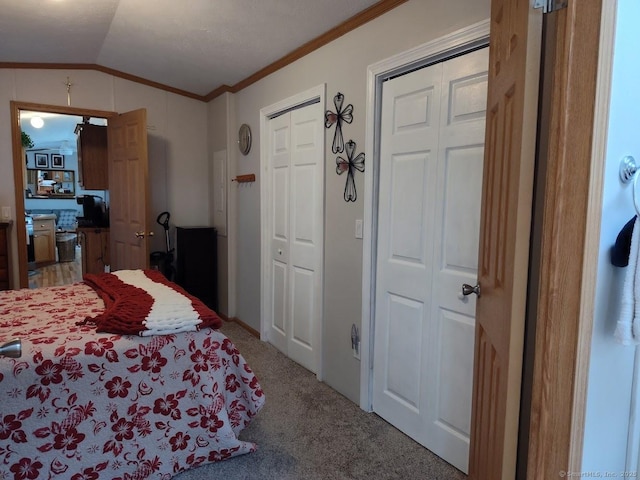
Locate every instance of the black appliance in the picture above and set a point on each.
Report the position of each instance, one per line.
(94, 211)
(197, 263)
(31, 257)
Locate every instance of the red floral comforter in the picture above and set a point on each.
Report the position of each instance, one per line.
(82, 405)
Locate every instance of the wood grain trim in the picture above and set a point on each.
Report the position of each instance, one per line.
(18, 162)
(594, 216)
(80, 112)
(149, 83)
(218, 91)
(249, 329)
(556, 409)
(16, 142)
(348, 25)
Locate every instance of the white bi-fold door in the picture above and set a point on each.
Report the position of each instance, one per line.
(431, 161)
(296, 183)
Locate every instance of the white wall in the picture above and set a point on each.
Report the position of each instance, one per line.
(611, 365)
(177, 136)
(342, 65)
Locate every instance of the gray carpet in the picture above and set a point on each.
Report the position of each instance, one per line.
(308, 431)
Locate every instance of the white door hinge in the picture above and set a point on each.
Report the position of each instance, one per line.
(550, 5)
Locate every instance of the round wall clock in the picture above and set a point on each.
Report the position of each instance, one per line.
(244, 139)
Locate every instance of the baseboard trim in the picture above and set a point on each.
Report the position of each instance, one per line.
(249, 329)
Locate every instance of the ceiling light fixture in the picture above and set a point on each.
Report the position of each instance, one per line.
(37, 122)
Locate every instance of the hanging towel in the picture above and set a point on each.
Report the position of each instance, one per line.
(628, 327)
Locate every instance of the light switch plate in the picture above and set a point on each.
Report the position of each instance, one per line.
(359, 228)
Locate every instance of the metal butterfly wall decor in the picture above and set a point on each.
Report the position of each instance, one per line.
(340, 116)
(350, 165)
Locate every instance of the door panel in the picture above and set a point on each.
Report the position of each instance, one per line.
(512, 109)
(128, 190)
(302, 296)
(297, 179)
(460, 161)
(281, 215)
(410, 175)
(279, 282)
(280, 158)
(406, 209)
(403, 375)
(454, 400)
(432, 139)
(307, 177)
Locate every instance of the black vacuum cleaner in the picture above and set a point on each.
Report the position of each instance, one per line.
(163, 261)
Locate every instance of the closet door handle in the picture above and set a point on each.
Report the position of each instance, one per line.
(468, 289)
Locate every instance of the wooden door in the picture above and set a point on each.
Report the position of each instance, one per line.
(297, 186)
(510, 145)
(128, 190)
(432, 135)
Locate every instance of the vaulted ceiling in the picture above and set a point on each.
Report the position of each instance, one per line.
(196, 47)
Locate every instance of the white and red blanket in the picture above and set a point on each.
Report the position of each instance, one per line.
(144, 302)
(85, 405)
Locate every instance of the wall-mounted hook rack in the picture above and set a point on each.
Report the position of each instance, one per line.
(250, 177)
(628, 168)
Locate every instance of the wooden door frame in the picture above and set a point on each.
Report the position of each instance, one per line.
(311, 95)
(461, 41)
(16, 140)
(570, 169)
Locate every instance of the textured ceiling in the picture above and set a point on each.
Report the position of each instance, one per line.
(191, 45)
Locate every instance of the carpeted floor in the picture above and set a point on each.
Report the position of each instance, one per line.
(308, 431)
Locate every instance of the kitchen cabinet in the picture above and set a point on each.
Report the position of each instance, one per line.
(95, 249)
(4, 255)
(92, 156)
(44, 240)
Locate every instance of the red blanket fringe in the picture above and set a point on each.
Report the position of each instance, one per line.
(127, 306)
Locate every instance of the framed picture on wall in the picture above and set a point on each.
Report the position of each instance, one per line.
(57, 161)
(42, 160)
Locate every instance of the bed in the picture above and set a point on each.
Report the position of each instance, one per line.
(84, 402)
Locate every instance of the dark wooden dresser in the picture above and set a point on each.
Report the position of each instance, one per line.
(197, 263)
(4, 256)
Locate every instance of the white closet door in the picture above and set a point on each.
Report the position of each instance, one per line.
(432, 134)
(297, 183)
(279, 161)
